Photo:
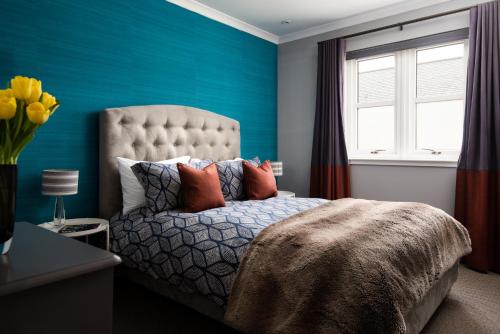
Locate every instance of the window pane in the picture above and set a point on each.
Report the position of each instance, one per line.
(440, 125)
(376, 128)
(376, 79)
(441, 71)
(376, 64)
(441, 53)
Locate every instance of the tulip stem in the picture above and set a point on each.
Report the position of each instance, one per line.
(7, 147)
(20, 119)
(21, 146)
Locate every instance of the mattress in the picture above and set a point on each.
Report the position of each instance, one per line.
(197, 253)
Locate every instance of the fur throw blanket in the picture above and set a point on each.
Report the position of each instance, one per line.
(347, 266)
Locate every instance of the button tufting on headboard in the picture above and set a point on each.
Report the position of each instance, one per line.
(157, 133)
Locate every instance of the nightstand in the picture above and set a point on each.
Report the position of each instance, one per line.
(52, 284)
(103, 227)
(284, 193)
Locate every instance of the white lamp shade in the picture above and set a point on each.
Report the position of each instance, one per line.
(59, 182)
(277, 167)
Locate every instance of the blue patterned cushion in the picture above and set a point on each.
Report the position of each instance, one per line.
(162, 183)
(231, 178)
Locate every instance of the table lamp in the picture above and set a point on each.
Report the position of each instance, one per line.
(59, 183)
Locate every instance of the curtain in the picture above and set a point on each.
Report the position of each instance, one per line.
(330, 172)
(477, 199)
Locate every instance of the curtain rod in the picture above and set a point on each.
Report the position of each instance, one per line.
(401, 24)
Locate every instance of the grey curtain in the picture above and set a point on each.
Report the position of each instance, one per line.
(330, 172)
(477, 201)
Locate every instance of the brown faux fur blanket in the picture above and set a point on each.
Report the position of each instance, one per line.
(347, 266)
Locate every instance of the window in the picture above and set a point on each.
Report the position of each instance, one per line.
(407, 105)
(375, 107)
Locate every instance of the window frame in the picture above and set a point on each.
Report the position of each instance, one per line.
(405, 113)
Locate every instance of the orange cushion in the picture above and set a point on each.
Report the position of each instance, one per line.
(259, 181)
(200, 188)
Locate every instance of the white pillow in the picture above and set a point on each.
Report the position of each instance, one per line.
(133, 192)
(199, 160)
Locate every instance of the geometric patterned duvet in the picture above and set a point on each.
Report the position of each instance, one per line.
(198, 252)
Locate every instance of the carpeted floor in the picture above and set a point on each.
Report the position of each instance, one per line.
(473, 306)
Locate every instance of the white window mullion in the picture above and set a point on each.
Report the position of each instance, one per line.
(399, 105)
(410, 125)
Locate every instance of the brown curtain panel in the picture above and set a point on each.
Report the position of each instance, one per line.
(477, 201)
(330, 172)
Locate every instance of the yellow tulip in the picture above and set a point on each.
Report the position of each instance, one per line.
(36, 91)
(8, 107)
(6, 93)
(37, 113)
(21, 87)
(48, 100)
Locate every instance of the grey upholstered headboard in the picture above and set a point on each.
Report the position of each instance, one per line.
(156, 133)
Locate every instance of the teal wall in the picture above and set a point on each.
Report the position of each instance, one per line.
(97, 54)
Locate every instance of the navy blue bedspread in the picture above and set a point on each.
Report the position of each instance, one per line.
(198, 252)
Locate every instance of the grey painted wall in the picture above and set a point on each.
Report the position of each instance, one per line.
(432, 185)
(296, 102)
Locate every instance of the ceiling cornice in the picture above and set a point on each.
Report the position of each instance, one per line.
(221, 17)
(376, 14)
(372, 15)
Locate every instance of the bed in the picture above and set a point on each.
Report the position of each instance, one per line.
(197, 273)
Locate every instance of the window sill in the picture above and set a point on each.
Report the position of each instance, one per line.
(415, 162)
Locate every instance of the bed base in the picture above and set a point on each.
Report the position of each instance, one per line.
(195, 301)
(415, 320)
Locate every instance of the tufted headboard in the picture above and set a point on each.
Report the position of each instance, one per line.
(158, 132)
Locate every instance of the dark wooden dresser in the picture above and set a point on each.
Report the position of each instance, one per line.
(53, 284)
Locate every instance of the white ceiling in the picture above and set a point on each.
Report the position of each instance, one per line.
(304, 14)
(308, 17)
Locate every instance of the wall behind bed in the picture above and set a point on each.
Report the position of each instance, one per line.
(98, 54)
